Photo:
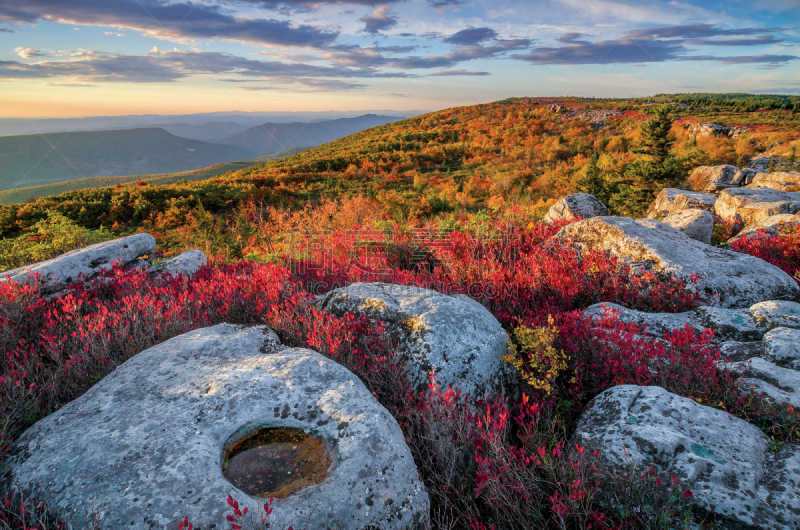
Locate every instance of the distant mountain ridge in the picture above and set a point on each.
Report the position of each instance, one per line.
(37, 159)
(272, 137)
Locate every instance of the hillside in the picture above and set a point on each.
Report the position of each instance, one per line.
(273, 137)
(33, 160)
(19, 195)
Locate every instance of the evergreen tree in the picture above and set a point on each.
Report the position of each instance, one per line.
(773, 160)
(593, 181)
(657, 140)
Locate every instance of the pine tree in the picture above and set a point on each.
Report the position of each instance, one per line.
(593, 181)
(657, 140)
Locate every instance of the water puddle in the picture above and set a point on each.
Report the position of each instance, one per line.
(276, 462)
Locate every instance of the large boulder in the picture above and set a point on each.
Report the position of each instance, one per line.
(695, 223)
(724, 461)
(148, 440)
(778, 385)
(185, 264)
(777, 181)
(455, 336)
(726, 278)
(782, 347)
(716, 178)
(672, 200)
(576, 206)
(768, 227)
(59, 272)
(750, 205)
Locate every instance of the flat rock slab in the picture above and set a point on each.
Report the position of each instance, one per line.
(576, 206)
(672, 200)
(726, 278)
(453, 335)
(715, 178)
(723, 460)
(768, 227)
(779, 385)
(734, 351)
(59, 272)
(777, 181)
(147, 441)
(185, 264)
(727, 324)
(777, 314)
(782, 347)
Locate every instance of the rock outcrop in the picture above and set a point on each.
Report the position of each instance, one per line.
(453, 335)
(672, 200)
(716, 178)
(780, 386)
(576, 206)
(186, 264)
(148, 439)
(724, 461)
(751, 205)
(59, 272)
(781, 346)
(695, 223)
(777, 181)
(726, 278)
(767, 227)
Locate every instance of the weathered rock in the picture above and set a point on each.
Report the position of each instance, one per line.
(576, 206)
(723, 460)
(727, 324)
(695, 223)
(453, 335)
(733, 351)
(777, 181)
(716, 178)
(777, 314)
(148, 439)
(782, 347)
(778, 385)
(59, 272)
(186, 264)
(671, 200)
(726, 278)
(768, 227)
(761, 164)
(753, 205)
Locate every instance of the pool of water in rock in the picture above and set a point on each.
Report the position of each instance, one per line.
(276, 462)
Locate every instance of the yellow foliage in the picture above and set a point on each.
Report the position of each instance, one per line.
(539, 362)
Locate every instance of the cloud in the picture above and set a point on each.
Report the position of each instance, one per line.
(313, 85)
(439, 4)
(461, 54)
(471, 36)
(380, 20)
(30, 53)
(652, 45)
(445, 73)
(168, 20)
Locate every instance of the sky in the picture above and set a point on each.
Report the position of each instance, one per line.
(75, 58)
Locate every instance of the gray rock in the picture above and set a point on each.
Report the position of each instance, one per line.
(59, 272)
(777, 181)
(575, 206)
(723, 460)
(782, 347)
(753, 205)
(453, 335)
(695, 223)
(727, 324)
(147, 441)
(726, 278)
(778, 385)
(672, 200)
(777, 313)
(185, 264)
(733, 351)
(768, 227)
(715, 178)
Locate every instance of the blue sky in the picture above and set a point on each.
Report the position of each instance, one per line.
(104, 57)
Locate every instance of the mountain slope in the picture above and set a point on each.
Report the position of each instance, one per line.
(272, 137)
(33, 160)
